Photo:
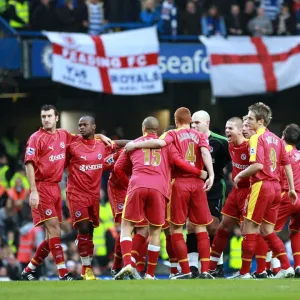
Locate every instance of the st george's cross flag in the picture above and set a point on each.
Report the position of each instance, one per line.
(252, 65)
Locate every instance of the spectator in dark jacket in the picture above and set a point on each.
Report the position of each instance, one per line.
(213, 23)
(149, 15)
(285, 23)
(235, 22)
(67, 17)
(44, 17)
(249, 14)
(190, 20)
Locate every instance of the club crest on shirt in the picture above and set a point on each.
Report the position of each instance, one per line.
(120, 206)
(77, 214)
(99, 156)
(30, 151)
(48, 212)
(62, 145)
(243, 156)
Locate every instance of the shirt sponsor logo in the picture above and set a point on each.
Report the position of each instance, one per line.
(53, 158)
(30, 151)
(62, 145)
(240, 167)
(77, 214)
(243, 156)
(252, 151)
(48, 212)
(85, 168)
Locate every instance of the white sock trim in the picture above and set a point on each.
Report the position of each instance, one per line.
(275, 263)
(212, 258)
(31, 266)
(220, 262)
(85, 261)
(61, 266)
(193, 258)
(133, 259)
(153, 248)
(173, 265)
(126, 238)
(269, 256)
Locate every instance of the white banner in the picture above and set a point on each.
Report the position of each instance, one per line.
(124, 63)
(252, 65)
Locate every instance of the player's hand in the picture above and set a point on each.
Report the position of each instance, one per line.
(203, 174)
(34, 199)
(293, 196)
(105, 139)
(236, 181)
(129, 147)
(208, 183)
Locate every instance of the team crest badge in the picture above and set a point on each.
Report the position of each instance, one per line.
(99, 156)
(120, 206)
(62, 145)
(77, 214)
(243, 156)
(48, 212)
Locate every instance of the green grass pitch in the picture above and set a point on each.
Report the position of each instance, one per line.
(152, 290)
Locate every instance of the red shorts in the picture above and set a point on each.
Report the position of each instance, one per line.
(188, 200)
(286, 210)
(263, 202)
(83, 207)
(116, 198)
(145, 204)
(50, 205)
(235, 203)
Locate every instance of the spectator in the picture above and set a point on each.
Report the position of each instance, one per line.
(190, 20)
(272, 8)
(3, 7)
(249, 14)
(82, 16)
(213, 23)
(168, 18)
(96, 16)
(260, 25)
(235, 23)
(296, 11)
(4, 172)
(44, 17)
(18, 14)
(67, 17)
(149, 15)
(285, 23)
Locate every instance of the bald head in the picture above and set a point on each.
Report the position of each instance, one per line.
(150, 124)
(89, 119)
(201, 115)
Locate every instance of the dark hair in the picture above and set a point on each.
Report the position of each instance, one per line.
(262, 112)
(291, 134)
(48, 107)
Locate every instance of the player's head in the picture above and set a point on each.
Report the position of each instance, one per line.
(87, 127)
(170, 127)
(259, 115)
(247, 132)
(233, 129)
(291, 134)
(49, 116)
(150, 125)
(182, 116)
(200, 121)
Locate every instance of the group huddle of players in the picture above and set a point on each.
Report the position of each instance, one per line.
(167, 182)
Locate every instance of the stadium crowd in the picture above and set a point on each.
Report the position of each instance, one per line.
(172, 17)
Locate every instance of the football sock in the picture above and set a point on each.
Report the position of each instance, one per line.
(277, 246)
(40, 255)
(193, 255)
(204, 250)
(248, 250)
(117, 264)
(172, 256)
(153, 254)
(58, 255)
(295, 242)
(180, 250)
(83, 250)
(218, 246)
(140, 265)
(260, 254)
(137, 242)
(126, 246)
(268, 260)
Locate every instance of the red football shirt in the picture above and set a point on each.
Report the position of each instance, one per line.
(240, 161)
(188, 143)
(294, 157)
(85, 166)
(267, 149)
(47, 152)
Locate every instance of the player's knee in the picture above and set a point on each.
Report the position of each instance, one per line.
(190, 227)
(227, 224)
(143, 231)
(213, 228)
(83, 227)
(53, 228)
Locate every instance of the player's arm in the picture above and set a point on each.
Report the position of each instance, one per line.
(206, 156)
(123, 163)
(110, 160)
(121, 143)
(34, 198)
(149, 144)
(106, 140)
